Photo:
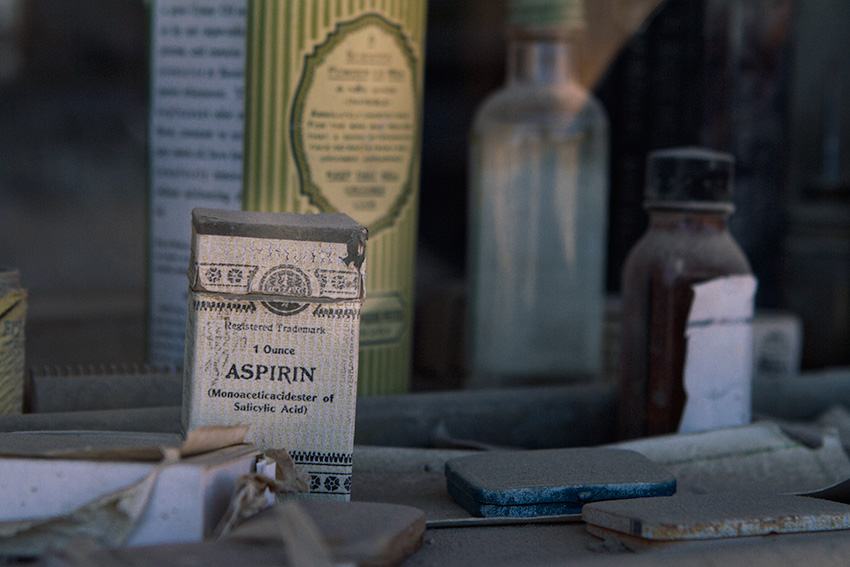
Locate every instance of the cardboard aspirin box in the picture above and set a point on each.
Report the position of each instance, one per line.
(273, 331)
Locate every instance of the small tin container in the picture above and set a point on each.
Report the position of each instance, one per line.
(13, 308)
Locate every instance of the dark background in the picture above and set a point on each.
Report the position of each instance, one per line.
(764, 80)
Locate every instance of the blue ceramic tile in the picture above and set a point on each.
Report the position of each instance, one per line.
(551, 481)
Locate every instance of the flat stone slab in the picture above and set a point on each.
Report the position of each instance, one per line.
(362, 533)
(551, 481)
(710, 516)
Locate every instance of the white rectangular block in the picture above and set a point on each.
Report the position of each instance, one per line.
(187, 500)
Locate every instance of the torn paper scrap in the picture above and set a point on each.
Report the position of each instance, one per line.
(119, 445)
(718, 362)
(276, 474)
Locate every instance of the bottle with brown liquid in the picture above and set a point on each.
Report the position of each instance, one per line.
(687, 297)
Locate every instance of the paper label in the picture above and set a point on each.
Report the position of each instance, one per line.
(383, 319)
(333, 123)
(354, 121)
(277, 268)
(13, 307)
(195, 139)
(718, 362)
(272, 341)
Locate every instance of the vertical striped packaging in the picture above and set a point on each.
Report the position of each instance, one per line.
(13, 307)
(333, 124)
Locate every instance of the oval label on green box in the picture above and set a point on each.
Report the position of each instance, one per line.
(354, 122)
(382, 320)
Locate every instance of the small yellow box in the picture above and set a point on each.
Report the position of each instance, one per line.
(13, 309)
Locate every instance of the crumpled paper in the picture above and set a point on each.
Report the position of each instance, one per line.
(256, 492)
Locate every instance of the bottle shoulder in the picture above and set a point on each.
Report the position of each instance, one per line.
(525, 105)
(681, 255)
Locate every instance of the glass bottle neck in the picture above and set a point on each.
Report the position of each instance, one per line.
(541, 59)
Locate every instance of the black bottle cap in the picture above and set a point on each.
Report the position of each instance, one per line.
(689, 178)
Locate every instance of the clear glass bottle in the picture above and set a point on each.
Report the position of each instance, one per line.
(538, 210)
(689, 199)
